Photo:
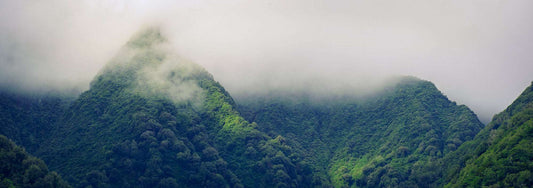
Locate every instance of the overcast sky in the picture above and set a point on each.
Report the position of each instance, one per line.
(478, 53)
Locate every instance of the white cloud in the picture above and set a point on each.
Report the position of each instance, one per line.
(477, 52)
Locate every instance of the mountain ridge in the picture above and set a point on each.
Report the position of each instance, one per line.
(359, 135)
(488, 158)
(154, 119)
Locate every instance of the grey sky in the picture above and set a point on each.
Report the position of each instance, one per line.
(479, 52)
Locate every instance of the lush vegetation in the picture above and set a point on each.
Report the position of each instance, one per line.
(386, 140)
(124, 133)
(19, 169)
(501, 155)
(152, 119)
(27, 119)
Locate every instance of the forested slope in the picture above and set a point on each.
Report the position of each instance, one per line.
(152, 119)
(501, 155)
(380, 141)
(27, 119)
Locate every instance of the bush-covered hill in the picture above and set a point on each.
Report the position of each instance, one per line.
(151, 119)
(380, 141)
(501, 155)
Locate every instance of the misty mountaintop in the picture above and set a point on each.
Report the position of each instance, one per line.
(148, 67)
(154, 119)
(151, 119)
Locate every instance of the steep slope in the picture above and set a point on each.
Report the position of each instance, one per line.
(377, 142)
(501, 154)
(19, 169)
(152, 119)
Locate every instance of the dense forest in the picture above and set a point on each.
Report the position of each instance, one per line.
(19, 169)
(378, 142)
(153, 119)
(501, 155)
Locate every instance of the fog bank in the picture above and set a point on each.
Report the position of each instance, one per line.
(477, 52)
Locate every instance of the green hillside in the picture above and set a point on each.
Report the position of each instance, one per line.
(151, 119)
(501, 155)
(379, 141)
(154, 119)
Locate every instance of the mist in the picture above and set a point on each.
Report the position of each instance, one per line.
(477, 52)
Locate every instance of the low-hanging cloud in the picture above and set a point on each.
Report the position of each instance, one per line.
(171, 79)
(477, 52)
(148, 67)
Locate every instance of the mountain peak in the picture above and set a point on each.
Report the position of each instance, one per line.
(146, 38)
(149, 67)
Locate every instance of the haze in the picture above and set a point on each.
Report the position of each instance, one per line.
(477, 52)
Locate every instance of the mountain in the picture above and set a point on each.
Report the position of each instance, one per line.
(379, 141)
(501, 154)
(19, 169)
(153, 119)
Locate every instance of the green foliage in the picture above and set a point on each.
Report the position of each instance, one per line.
(259, 160)
(19, 169)
(151, 119)
(116, 136)
(119, 135)
(28, 120)
(502, 156)
(381, 141)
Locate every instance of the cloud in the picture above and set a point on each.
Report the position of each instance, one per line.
(58, 44)
(171, 79)
(477, 52)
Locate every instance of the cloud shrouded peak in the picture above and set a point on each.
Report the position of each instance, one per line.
(149, 67)
(476, 52)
